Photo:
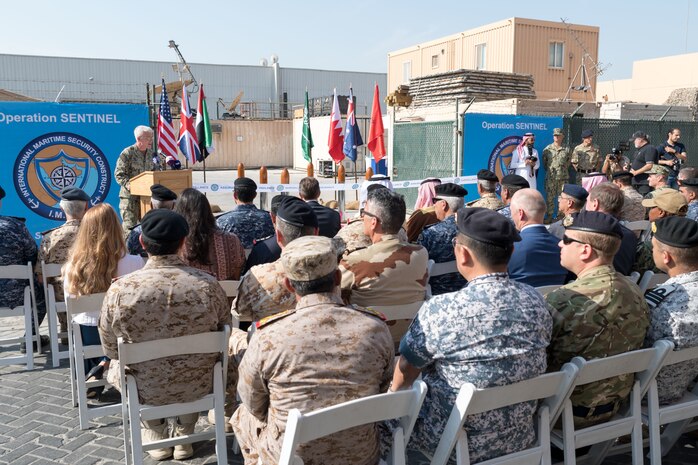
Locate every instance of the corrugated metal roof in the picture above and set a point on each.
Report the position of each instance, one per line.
(7, 96)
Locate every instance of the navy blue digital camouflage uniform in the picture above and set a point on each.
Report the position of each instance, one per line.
(692, 212)
(506, 211)
(492, 332)
(248, 223)
(133, 244)
(437, 238)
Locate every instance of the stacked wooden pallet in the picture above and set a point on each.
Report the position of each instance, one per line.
(401, 97)
(445, 88)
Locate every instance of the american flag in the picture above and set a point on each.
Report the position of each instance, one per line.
(166, 138)
(188, 143)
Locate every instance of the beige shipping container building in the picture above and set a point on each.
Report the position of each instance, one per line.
(552, 52)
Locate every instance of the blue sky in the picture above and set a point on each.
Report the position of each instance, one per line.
(322, 34)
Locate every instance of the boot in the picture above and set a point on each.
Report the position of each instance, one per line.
(228, 413)
(155, 430)
(183, 426)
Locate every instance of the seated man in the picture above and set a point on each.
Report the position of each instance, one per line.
(486, 189)
(327, 218)
(571, 201)
(266, 249)
(320, 353)
(161, 197)
(689, 190)
(246, 221)
(536, 259)
(511, 183)
(423, 214)
(165, 299)
(632, 200)
(600, 314)
(492, 332)
(437, 238)
(674, 304)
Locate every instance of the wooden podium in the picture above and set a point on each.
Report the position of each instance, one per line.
(176, 180)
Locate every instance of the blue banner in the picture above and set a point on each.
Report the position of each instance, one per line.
(489, 140)
(49, 146)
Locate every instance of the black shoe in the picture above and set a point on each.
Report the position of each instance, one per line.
(45, 342)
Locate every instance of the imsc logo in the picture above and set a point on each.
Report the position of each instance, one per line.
(500, 157)
(57, 160)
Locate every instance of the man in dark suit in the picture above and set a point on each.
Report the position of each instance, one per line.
(266, 249)
(536, 259)
(328, 218)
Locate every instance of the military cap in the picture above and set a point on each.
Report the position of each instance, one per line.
(639, 135)
(515, 180)
(430, 180)
(296, 212)
(74, 193)
(373, 187)
(487, 175)
(658, 169)
(690, 182)
(587, 133)
(488, 226)
(669, 200)
(596, 222)
(676, 231)
(162, 193)
(449, 190)
(622, 174)
(310, 257)
(573, 190)
(558, 132)
(2, 193)
(276, 202)
(245, 183)
(162, 225)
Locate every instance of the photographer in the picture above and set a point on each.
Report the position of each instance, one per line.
(672, 154)
(645, 156)
(615, 162)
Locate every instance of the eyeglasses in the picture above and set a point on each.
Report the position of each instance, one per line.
(363, 213)
(568, 240)
(454, 242)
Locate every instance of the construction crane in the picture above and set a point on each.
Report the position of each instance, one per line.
(585, 77)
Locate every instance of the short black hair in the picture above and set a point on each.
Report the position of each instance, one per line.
(245, 194)
(390, 209)
(160, 248)
(488, 254)
(315, 286)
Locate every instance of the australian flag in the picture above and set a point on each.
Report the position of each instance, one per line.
(352, 136)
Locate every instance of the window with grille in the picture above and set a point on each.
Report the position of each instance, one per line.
(481, 56)
(406, 71)
(556, 53)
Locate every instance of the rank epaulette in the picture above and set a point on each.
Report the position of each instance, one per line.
(370, 311)
(655, 296)
(471, 202)
(272, 318)
(48, 231)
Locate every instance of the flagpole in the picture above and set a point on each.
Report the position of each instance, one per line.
(202, 153)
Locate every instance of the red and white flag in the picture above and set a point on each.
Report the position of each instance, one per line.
(188, 143)
(166, 135)
(335, 141)
(376, 143)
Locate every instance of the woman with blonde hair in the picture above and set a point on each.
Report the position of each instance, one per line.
(97, 257)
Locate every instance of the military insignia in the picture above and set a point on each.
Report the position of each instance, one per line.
(655, 296)
(272, 318)
(567, 222)
(654, 227)
(369, 311)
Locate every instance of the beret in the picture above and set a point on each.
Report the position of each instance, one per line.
(2, 193)
(276, 201)
(296, 212)
(596, 222)
(669, 200)
(160, 192)
(430, 180)
(74, 193)
(573, 190)
(691, 182)
(587, 133)
(161, 225)
(658, 169)
(676, 231)
(487, 175)
(622, 174)
(488, 226)
(448, 189)
(310, 257)
(558, 132)
(514, 180)
(245, 183)
(639, 135)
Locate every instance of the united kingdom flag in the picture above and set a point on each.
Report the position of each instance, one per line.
(188, 142)
(166, 135)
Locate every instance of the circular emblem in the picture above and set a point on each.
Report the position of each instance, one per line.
(456, 180)
(354, 186)
(500, 157)
(406, 184)
(57, 160)
(280, 188)
(214, 187)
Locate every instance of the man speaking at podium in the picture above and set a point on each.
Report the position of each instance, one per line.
(134, 160)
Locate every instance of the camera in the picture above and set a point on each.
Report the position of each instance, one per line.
(615, 154)
(533, 158)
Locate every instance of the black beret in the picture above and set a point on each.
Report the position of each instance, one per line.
(587, 133)
(639, 135)
(487, 175)
(276, 201)
(622, 174)
(162, 193)
(488, 226)
(296, 212)
(676, 231)
(74, 193)
(596, 222)
(2, 193)
(691, 182)
(449, 189)
(245, 183)
(161, 225)
(573, 190)
(430, 180)
(373, 187)
(514, 180)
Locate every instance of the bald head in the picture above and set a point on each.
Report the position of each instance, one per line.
(527, 207)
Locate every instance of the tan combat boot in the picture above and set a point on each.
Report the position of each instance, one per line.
(184, 425)
(155, 430)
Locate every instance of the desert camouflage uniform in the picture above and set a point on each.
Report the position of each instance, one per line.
(692, 212)
(488, 200)
(320, 354)
(55, 248)
(132, 162)
(354, 238)
(673, 315)
(556, 161)
(600, 314)
(418, 220)
(133, 243)
(248, 223)
(492, 332)
(437, 240)
(164, 299)
(262, 292)
(632, 205)
(587, 160)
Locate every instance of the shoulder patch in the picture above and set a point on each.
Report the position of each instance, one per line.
(655, 296)
(272, 318)
(369, 311)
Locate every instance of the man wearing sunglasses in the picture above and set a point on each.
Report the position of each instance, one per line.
(598, 315)
(571, 200)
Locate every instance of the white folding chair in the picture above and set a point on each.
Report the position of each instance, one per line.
(439, 269)
(651, 279)
(305, 427)
(545, 290)
(634, 277)
(78, 354)
(53, 308)
(551, 389)
(640, 228)
(26, 310)
(644, 365)
(133, 412)
(231, 291)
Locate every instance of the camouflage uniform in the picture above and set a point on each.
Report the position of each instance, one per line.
(632, 205)
(320, 354)
(248, 223)
(418, 220)
(587, 160)
(492, 332)
(133, 244)
(437, 240)
(488, 200)
(262, 292)
(132, 162)
(355, 239)
(55, 248)
(657, 190)
(643, 257)
(557, 162)
(692, 212)
(673, 315)
(506, 211)
(165, 299)
(600, 314)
